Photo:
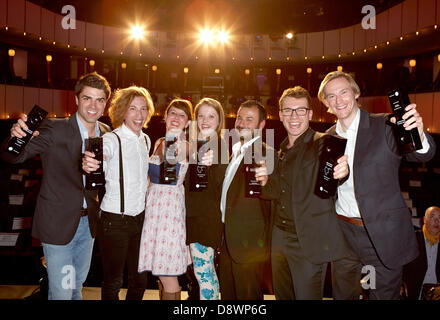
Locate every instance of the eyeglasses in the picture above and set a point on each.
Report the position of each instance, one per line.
(300, 112)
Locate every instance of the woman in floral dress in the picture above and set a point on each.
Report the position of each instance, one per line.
(163, 249)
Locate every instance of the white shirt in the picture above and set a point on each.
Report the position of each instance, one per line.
(346, 203)
(237, 155)
(431, 258)
(135, 170)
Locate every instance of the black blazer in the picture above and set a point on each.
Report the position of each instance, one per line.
(376, 182)
(247, 220)
(414, 272)
(59, 202)
(316, 223)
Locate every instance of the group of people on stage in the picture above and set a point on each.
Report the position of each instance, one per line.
(146, 225)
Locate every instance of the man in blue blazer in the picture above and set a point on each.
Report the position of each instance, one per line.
(66, 213)
(373, 215)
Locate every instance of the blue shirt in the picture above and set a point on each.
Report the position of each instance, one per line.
(84, 135)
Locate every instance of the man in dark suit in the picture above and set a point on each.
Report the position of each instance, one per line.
(426, 267)
(66, 213)
(306, 234)
(373, 215)
(246, 220)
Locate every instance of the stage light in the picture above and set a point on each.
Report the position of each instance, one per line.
(339, 68)
(379, 66)
(185, 70)
(278, 71)
(247, 71)
(222, 36)
(92, 63)
(438, 57)
(11, 52)
(206, 36)
(123, 65)
(48, 58)
(137, 32)
(154, 68)
(289, 35)
(412, 63)
(309, 70)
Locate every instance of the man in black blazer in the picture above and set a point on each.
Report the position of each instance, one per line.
(426, 267)
(373, 215)
(245, 245)
(306, 234)
(66, 213)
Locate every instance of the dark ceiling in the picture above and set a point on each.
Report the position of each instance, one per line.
(238, 16)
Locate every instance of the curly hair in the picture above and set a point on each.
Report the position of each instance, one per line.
(121, 102)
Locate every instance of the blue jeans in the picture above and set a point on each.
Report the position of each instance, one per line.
(68, 265)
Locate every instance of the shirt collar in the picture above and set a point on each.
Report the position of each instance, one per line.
(299, 140)
(352, 129)
(84, 132)
(127, 132)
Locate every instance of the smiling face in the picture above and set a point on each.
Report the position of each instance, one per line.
(295, 125)
(176, 120)
(91, 104)
(341, 99)
(136, 114)
(207, 120)
(248, 119)
(432, 221)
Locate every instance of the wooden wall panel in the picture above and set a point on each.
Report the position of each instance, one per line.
(16, 12)
(315, 44)
(14, 100)
(331, 42)
(61, 35)
(31, 98)
(395, 22)
(47, 24)
(426, 13)
(409, 16)
(33, 18)
(347, 40)
(94, 36)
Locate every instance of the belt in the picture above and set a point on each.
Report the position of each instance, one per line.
(83, 212)
(355, 221)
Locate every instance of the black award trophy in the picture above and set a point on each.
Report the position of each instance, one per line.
(407, 140)
(168, 168)
(96, 178)
(252, 186)
(332, 149)
(34, 119)
(198, 173)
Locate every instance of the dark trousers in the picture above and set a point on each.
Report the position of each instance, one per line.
(239, 281)
(119, 241)
(294, 277)
(383, 283)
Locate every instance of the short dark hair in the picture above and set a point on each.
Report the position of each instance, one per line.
(296, 92)
(262, 113)
(93, 80)
(182, 104)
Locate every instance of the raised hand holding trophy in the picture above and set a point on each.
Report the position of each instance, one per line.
(34, 119)
(198, 173)
(168, 168)
(407, 140)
